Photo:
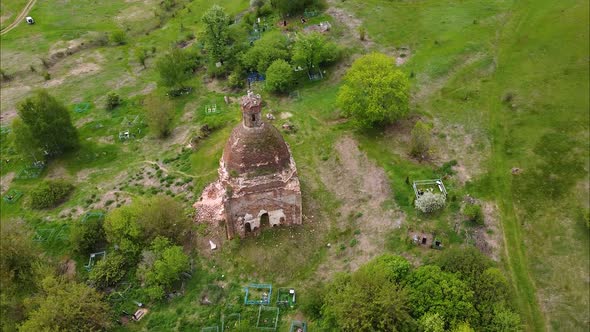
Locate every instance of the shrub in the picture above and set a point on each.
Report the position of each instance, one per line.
(420, 141)
(50, 194)
(4, 76)
(118, 37)
(362, 32)
(113, 100)
(46, 76)
(279, 76)
(473, 213)
(430, 202)
(108, 271)
(86, 236)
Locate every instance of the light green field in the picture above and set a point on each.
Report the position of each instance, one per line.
(9, 9)
(466, 58)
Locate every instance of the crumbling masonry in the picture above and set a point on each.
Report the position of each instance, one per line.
(258, 185)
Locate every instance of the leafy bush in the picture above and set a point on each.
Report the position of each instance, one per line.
(108, 271)
(161, 266)
(430, 202)
(420, 141)
(118, 37)
(113, 100)
(473, 213)
(50, 194)
(279, 76)
(85, 236)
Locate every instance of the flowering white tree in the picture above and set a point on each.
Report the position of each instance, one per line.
(430, 202)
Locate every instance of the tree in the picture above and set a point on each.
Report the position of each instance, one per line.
(85, 236)
(24, 141)
(175, 68)
(137, 224)
(393, 268)
(19, 258)
(374, 92)
(18, 254)
(279, 76)
(162, 266)
(108, 271)
(468, 263)
(159, 114)
(420, 142)
(48, 123)
(67, 306)
(430, 202)
(312, 50)
(434, 291)
(505, 320)
(271, 47)
(432, 322)
(216, 33)
(50, 193)
(122, 228)
(366, 302)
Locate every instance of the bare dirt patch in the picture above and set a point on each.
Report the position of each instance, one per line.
(215, 85)
(468, 147)
(6, 181)
(488, 238)
(149, 88)
(351, 23)
(364, 191)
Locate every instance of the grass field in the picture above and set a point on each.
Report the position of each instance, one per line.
(505, 84)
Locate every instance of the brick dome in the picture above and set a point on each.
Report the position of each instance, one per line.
(260, 150)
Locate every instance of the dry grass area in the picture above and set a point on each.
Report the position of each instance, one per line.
(364, 193)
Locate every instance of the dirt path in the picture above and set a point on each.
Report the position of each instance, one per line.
(364, 191)
(19, 18)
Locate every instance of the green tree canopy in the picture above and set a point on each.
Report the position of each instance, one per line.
(24, 141)
(137, 224)
(48, 123)
(434, 291)
(85, 236)
(108, 271)
(272, 46)
(175, 68)
(161, 266)
(374, 92)
(18, 254)
(311, 50)
(216, 33)
(279, 76)
(67, 306)
(366, 302)
(393, 268)
(469, 263)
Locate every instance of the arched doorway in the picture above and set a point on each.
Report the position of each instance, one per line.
(264, 220)
(248, 227)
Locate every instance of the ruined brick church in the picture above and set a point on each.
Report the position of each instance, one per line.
(258, 185)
